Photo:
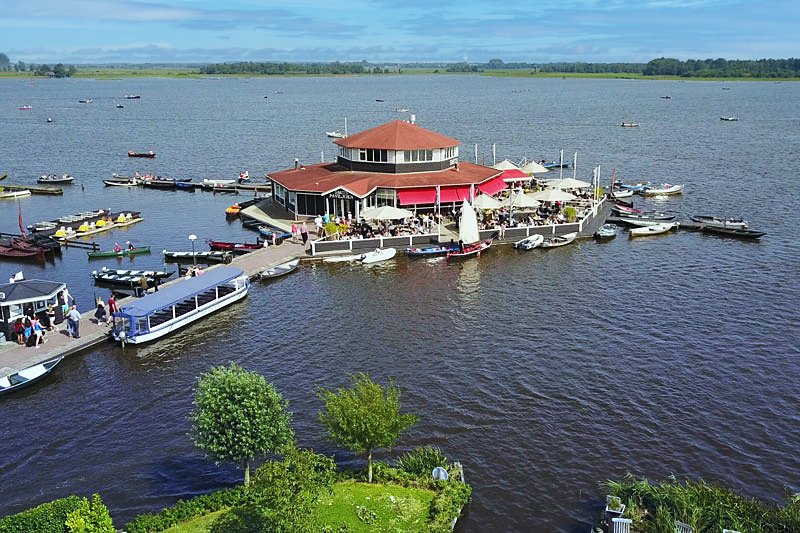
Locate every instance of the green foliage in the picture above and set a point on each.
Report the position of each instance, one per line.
(447, 504)
(364, 418)
(237, 416)
(422, 461)
(48, 517)
(570, 213)
(183, 510)
(90, 517)
(285, 491)
(707, 508)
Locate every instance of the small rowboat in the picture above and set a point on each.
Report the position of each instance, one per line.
(54, 178)
(529, 243)
(665, 189)
(149, 155)
(558, 240)
(213, 256)
(236, 247)
(707, 220)
(279, 270)
(119, 182)
(440, 249)
(655, 229)
(377, 255)
(27, 376)
(734, 232)
(122, 253)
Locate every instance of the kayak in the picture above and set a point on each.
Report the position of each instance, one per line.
(121, 253)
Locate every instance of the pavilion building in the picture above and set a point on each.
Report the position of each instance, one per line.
(398, 163)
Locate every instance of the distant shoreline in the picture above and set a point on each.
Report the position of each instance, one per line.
(100, 73)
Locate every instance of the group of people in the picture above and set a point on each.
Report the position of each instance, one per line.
(30, 331)
(128, 245)
(348, 228)
(193, 271)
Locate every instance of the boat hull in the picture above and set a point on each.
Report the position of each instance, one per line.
(121, 253)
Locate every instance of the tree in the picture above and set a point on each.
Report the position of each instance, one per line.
(237, 416)
(90, 517)
(364, 418)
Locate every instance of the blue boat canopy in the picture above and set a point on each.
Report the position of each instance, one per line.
(173, 294)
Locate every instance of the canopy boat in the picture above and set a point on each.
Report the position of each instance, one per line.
(54, 178)
(149, 155)
(160, 313)
(213, 256)
(558, 240)
(734, 232)
(122, 253)
(653, 229)
(279, 270)
(439, 249)
(708, 220)
(237, 247)
(469, 238)
(27, 376)
(530, 242)
(606, 232)
(10, 195)
(664, 189)
(377, 255)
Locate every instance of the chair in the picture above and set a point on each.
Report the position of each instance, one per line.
(680, 527)
(621, 525)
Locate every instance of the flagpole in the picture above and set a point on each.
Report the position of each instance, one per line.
(561, 164)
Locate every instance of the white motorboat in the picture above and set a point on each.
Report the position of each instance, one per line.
(377, 255)
(530, 242)
(558, 240)
(336, 134)
(664, 189)
(655, 229)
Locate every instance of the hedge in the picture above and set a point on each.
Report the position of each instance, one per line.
(186, 509)
(48, 517)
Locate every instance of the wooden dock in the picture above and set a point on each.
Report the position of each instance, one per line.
(14, 357)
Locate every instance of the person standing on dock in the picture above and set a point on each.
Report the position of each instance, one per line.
(295, 236)
(112, 304)
(74, 322)
(304, 232)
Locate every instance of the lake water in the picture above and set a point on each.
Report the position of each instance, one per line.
(544, 373)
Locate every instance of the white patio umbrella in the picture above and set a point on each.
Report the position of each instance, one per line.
(484, 201)
(505, 164)
(568, 183)
(553, 195)
(533, 168)
(520, 200)
(386, 212)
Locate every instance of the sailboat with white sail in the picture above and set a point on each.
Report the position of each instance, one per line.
(469, 238)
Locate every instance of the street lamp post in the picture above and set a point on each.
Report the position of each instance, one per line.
(192, 238)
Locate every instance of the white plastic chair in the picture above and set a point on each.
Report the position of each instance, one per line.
(680, 527)
(621, 525)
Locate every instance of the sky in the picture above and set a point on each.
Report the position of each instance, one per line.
(396, 31)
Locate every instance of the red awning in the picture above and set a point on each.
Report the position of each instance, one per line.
(416, 196)
(514, 174)
(492, 186)
(453, 194)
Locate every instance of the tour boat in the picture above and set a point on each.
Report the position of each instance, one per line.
(175, 306)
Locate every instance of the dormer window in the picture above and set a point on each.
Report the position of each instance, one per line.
(373, 154)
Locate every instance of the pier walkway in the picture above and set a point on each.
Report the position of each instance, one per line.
(14, 357)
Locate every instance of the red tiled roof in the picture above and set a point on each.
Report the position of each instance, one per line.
(322, 178)
(397, 135)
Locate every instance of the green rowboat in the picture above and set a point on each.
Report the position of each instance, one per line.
(121, 253)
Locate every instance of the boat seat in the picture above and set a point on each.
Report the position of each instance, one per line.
(621, 525)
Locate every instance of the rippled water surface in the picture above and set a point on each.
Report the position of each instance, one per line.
(545, 373)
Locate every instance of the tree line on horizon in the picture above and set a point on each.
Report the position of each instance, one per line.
(691, 68)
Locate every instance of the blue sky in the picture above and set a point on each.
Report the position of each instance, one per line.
(170, 31)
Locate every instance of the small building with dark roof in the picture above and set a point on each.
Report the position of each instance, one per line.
(398, 163)
(27, 297)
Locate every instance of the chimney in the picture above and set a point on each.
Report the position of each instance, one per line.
(413, 118)
(296, 163)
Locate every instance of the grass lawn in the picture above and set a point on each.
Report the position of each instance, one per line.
(363, 507)
(375, 507)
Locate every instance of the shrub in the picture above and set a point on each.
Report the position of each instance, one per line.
(90, 517)
(570, 213)
(422, 461)
(50, 517)
(447, 504)
(183, 510)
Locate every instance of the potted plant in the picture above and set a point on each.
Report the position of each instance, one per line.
(614, 507)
